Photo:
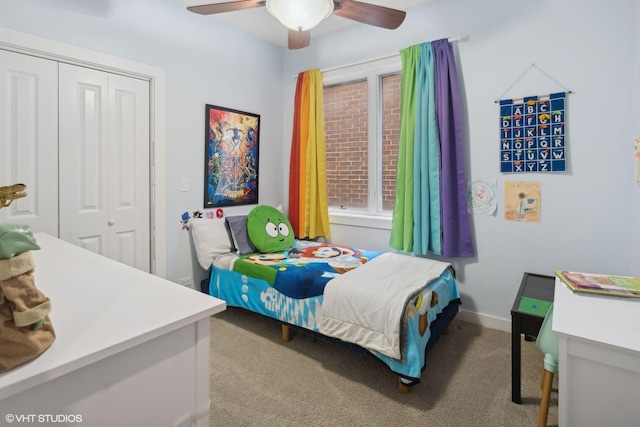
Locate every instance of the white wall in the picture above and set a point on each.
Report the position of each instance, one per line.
(590, 214)
(585, 45)
(205, 63)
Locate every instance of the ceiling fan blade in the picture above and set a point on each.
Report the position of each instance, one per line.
(370, 14)
(299, 39)
(230, 6)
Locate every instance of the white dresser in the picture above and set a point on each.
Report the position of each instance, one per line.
(131, 348)
(599, 369)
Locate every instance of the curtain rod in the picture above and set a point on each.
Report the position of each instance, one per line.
(546, 95)
(455, 39)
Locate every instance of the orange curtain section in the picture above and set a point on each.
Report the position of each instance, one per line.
(308, 206)
(294, 163)
(302, 160)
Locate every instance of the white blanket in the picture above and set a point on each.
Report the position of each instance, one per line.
(367, 305)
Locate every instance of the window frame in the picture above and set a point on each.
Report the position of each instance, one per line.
(372, 71)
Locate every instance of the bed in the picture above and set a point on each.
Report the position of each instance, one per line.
(393, 307)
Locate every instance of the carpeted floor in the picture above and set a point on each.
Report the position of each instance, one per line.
(256, 380)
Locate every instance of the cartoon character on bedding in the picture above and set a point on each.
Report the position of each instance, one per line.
(272, 235)
(270, 300)
(424, 301)
(300, 273)
(325, 251)
(266, 259)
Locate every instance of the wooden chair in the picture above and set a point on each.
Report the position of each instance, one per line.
(547, 343)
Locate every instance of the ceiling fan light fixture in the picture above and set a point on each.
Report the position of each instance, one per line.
(300, 15)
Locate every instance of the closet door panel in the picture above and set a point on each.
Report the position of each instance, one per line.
(84, 139)
(29, 139)
(129, 173)
(79, 139)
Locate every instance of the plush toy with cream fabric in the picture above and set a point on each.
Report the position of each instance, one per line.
(25, 328)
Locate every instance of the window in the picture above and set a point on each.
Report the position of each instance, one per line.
(362, 125)
(346, 123)
(390, 137)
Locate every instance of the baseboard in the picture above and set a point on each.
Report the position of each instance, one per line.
(486, 321)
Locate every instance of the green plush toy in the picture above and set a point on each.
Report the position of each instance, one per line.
(269, 230)
(16, 239)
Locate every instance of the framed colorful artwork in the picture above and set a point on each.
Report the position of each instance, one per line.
(232, 140)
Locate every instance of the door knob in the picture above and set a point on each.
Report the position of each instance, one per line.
(111, 222)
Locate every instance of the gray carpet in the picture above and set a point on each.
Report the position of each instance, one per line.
(256, 380)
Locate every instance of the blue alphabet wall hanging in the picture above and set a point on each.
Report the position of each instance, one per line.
(532, 134)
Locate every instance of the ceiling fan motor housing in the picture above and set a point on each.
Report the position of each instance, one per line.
(300, 15)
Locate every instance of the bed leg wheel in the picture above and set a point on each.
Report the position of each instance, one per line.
(402, 387)
(286, 333)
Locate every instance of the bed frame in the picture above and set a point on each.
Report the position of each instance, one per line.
(437, 327)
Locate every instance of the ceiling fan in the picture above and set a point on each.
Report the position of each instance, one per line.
(299, 16)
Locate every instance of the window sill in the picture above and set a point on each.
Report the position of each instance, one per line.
(360, 220)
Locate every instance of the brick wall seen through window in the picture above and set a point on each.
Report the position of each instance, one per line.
(346, 129)
(346, 121)
(390, 137)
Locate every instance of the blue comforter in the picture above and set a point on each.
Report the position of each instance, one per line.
(303, 271)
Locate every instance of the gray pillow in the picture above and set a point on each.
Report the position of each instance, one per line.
(237, 229)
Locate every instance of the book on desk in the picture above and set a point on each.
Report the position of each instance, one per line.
(601, 284)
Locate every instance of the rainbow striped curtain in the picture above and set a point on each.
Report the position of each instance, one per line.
(308, 205)
(430, 208)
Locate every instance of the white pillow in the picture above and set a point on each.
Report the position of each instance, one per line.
(210, 238)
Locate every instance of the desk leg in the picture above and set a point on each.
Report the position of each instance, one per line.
(515, 360)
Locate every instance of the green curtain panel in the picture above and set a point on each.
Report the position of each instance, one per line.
(430, 210)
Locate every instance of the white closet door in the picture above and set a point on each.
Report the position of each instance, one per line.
(29, 139)
(104, 164)
(84, 156)
(129, 171)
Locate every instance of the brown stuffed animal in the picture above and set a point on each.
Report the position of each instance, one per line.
(25, 328)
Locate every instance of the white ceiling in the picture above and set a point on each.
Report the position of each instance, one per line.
(260, 23)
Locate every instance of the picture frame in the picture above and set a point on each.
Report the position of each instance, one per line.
(232, 142)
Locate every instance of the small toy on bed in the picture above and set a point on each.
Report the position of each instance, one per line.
(294, 253)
